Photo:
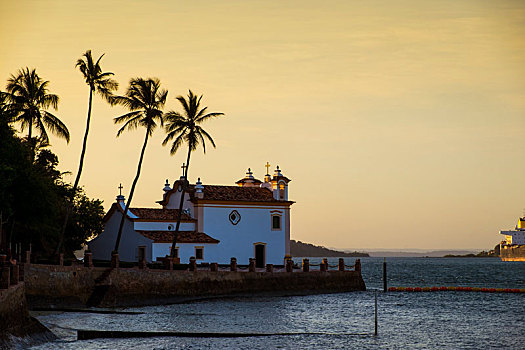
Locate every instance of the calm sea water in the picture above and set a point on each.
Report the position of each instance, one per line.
(434, 320)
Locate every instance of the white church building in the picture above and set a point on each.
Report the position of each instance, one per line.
(218, 222)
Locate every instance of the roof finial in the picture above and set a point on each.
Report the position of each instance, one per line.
(120, 197)
(166, 186)
(267, 168)
(198, 189)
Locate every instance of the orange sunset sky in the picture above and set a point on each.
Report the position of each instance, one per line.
(400, 123)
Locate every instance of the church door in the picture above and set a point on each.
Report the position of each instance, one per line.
(260, 255)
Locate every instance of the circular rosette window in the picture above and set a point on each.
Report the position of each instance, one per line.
(234, 217)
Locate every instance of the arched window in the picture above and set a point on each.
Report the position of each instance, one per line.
(281, 190)
(276, 221)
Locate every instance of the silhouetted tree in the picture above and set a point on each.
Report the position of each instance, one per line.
(33, 198)
(185, 128)
(30, 100)
(145, 100)
(99, 82)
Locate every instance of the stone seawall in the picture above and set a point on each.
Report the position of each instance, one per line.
(13, 312)
(15, 320)
(69, 287)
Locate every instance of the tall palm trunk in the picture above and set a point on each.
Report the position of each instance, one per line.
(119, 234)
(181, 204)
(29, 133)
(30, 142)
(77, 179)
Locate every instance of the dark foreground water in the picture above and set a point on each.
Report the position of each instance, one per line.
(432, 320)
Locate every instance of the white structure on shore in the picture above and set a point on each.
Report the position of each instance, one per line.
(250, 220)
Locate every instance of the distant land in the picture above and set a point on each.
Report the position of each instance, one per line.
(302, 249)
(298, 248)
(420, 254)
(447, 253)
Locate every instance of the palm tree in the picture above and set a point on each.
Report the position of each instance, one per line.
(6, 112)
(30, 99)
(185, 128)
(102, 83)
(145, 100)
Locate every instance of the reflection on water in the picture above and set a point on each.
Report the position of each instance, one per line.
(406, 320)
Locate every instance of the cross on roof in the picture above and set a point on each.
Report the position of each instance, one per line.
(267, 168)
(183, 169)
(120, 189)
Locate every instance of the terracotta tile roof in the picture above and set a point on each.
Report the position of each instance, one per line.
(236, 193)
(184, 237)
(148, 214)
(159, 214)
(228, 193)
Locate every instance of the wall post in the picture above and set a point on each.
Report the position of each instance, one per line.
(324, 265)
(289, 265)
(88, 259)
(233, 264)
(115, 261)
(357, 265)
(193, 264)
(251, 266)
(168, 263)
(341, 266)
(14, 274)
(306, 265)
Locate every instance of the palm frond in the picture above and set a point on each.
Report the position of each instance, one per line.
(39, 125)
(176, 144)
(207, 136)
(208, 116)
(174, 132)
(55, 125)
(184, 104)
(131, 124)
(126, 117)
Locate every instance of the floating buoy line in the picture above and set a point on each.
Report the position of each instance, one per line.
(456, 289)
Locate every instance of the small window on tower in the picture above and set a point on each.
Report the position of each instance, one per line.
(281, 191)
(199, 253)
(276, 222)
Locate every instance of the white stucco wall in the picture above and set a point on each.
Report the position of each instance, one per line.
(103, 245)
(254, 227)
(186, 250)
(163, 226)
(174, 202)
